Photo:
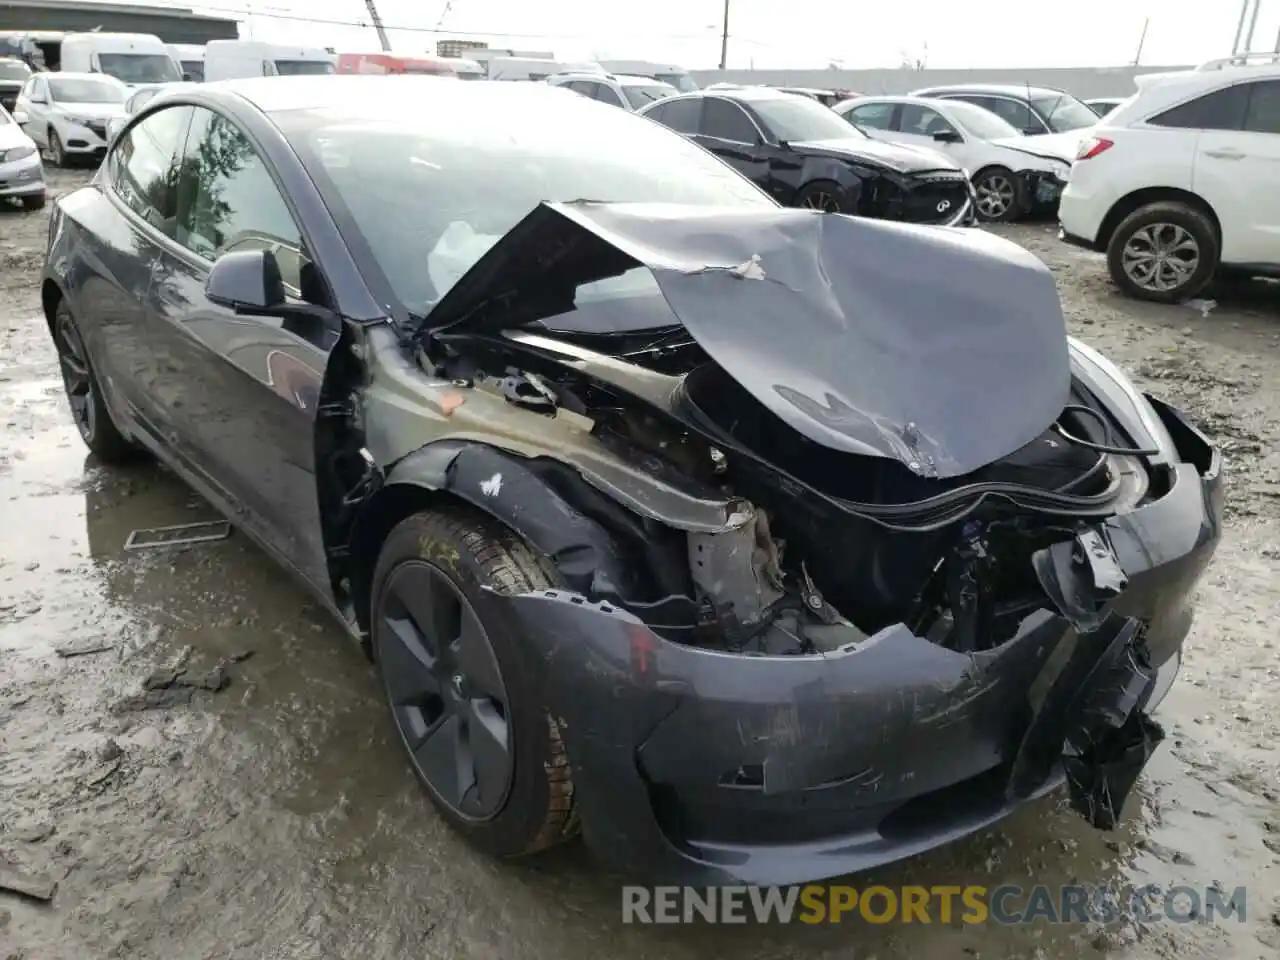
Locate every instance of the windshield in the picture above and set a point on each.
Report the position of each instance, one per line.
(798, 118)
(638, 96)
(980, 122)
(84, 90)
(430, 193)
(298, 68)
(14, 70)
(681, 81)
(1064, 112)
(139, 67)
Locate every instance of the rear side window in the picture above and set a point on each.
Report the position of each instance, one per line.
(141, 167)
(684, 116)
(1220, 110)
(877, 116)
(1263, 115)
(727, 121)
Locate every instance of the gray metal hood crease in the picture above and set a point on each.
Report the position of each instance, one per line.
(943, 348)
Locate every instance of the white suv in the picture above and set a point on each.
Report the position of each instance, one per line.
(615, 89)
(1181, 180)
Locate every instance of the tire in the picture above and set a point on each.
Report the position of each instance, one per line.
(459, 552)
(826, 192)
(57, 153)
(1001, 195)
(1173, 224)
(84, 395)
(35, 202)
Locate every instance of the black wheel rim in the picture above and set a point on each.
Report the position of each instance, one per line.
(821, 200)
(76, 378)
(446, 690)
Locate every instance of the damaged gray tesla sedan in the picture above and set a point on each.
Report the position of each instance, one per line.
(760, 544)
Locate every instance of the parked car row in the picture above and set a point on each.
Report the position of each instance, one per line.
(609, 461)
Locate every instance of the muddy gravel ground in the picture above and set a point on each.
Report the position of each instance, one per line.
(274, 818)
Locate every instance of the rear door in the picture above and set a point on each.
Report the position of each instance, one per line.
(250, 385)
(1241, 169)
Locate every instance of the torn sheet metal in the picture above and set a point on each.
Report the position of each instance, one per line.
(178, 535)
(825, 319)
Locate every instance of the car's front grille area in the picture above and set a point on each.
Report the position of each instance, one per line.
(932, 198)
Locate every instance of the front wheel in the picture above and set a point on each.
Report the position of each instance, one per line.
(1165, 252)
(999, 195)
(461, 688)
(824, 195)
(57, 153)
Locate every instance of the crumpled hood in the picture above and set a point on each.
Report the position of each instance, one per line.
(896, 156)
(1051, 146)
(825, 319)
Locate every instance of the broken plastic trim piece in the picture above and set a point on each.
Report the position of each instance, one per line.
(178, 535)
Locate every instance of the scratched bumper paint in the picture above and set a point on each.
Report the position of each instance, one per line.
(708, 767)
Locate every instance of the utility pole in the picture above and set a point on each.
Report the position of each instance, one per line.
(377, 26)
(724, 38)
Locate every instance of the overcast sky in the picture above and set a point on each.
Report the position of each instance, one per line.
(784, 33)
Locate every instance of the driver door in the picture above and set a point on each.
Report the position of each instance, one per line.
(727, 131)
(250, 386)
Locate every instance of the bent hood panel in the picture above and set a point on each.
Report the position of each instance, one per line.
(945, 349)
(895, 156)
(1051, 146)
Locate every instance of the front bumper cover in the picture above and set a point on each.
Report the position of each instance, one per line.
(706, 767)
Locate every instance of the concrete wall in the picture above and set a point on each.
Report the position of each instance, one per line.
(174, 25)
(1084, 82)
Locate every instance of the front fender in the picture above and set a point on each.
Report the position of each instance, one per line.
(828, 168)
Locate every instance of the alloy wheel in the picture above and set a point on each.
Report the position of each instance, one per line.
(57, 154)
(821, 200)
(446, 690)
(996, 195)
(1160, 257)
(77, 380)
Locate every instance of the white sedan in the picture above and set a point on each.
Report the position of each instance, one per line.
(21, 173)
(1012, 173)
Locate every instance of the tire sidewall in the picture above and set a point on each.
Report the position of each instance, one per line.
(822, 186)
(1191, 220)
(1014, 210)
(520, 826)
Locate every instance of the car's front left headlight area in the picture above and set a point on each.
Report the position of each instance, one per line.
(17, 153)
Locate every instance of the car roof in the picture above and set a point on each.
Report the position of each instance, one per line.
(631, 80)
(1019, 90)
(749, 94)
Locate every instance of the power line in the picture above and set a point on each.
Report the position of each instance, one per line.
(364, 24)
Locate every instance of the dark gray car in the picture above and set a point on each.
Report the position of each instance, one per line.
(760, 544)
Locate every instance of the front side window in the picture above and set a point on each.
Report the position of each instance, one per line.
(141, 167)
(84, 90)
(429, 192)
(227, 199)
(723, 120)
(640, 96)
(1264, 107)
(876, 116)
(1222, 109)
(1013, 112)
(139, 67)
(606, 94)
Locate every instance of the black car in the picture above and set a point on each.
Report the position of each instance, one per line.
(803, 155)
(761, 544)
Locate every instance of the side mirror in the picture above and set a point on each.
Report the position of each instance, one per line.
(948, 136)
(246, 281)
(19, 117)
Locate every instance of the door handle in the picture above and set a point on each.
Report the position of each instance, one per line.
(1225, 154)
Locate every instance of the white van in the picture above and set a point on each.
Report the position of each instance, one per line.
(234, 59)
(190, 57)
(135, 59)
(534, 68)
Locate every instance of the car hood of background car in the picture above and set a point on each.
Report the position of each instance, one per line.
(92, 111)
(11, 136)
(944, 349)
(895, 156)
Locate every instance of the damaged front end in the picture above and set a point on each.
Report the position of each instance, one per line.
(852, 564)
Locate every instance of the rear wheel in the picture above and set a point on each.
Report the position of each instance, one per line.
(999, 194)
(88, 409)
(1165, 252)
(460, 687)
(823, 195)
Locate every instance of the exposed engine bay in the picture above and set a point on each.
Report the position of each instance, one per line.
(823, 548)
